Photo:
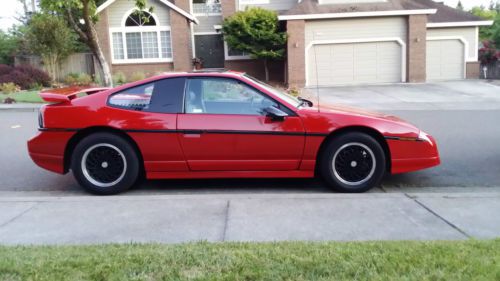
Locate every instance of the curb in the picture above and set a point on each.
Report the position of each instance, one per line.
(20, 107)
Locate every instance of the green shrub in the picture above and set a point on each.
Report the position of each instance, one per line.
(80, 79)
(36, 87)
(119, 78)
(84, 79)
(71, 79)
(136, 76)
(9, 88)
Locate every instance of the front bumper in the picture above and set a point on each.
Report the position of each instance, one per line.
(413, 155)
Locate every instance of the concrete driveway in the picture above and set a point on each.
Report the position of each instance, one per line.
(453, 95)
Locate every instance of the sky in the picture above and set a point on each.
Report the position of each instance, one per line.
(13, 8)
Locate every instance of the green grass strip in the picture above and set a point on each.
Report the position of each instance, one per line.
(456, 260)
(23, 97)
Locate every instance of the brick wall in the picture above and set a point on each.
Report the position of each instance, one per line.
(149, 69)
(296, 53)
(416, 48)
(181, 38)
(473, 70)
(255, 68)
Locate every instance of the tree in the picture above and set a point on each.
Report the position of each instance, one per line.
(50, 38)
(255, 31)
(460, 6)
(486, 32)
(81, 16)
(8, 47)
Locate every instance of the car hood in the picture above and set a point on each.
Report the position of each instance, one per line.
(362, 114)
(356, 111)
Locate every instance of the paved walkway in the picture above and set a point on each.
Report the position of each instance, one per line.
(248, 217)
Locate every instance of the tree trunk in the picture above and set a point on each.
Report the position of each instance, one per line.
(90, 37)
(25, 7)
(105, 70)
(266, 69)
(33, 6)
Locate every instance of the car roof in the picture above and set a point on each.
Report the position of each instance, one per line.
(204, 72)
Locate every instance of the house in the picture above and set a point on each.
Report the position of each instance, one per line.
(331, 42)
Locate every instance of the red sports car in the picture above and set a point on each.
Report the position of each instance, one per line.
(218, 125)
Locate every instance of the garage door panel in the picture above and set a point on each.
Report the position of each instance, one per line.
(445, 60)
(354, 63)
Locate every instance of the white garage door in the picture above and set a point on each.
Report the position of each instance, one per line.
(445, 60)
(354, 63)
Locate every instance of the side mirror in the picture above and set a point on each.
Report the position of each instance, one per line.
(274, 113)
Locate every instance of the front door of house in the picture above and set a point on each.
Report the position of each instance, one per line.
(210, 48)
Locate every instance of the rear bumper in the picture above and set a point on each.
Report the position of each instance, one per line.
(410, 156)
(47, 149)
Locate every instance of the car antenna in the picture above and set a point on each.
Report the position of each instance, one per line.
(316, 67)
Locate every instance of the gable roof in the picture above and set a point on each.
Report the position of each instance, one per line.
(438, 13)
(172, 6)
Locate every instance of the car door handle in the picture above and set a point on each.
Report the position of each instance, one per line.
(192, 133)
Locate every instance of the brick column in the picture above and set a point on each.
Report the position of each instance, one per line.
(296, 60)
(228, 8)
(181, 38)
(416, 49)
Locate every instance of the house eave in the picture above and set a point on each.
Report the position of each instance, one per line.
(172, 6)
(459, 24)
(358, 14)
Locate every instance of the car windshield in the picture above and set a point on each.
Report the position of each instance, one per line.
(280, 93)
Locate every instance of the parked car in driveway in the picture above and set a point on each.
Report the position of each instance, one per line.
(218, 125)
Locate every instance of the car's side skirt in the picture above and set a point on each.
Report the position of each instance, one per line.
(230, 174)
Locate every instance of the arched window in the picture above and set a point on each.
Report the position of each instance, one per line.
(138, 19)
(141, 39)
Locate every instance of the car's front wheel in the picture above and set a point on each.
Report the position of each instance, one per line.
(353, 162)
(105, 164)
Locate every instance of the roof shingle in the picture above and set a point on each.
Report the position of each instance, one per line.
(444, 13)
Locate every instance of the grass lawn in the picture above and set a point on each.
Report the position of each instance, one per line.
(23, 96)
(458, 260)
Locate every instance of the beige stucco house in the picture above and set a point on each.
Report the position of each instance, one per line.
(331, 42)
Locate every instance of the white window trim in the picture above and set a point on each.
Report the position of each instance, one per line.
(361, 40)
(125, 30)
(462, 40)
(228, 57)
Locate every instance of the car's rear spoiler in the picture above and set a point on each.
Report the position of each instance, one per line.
(67, 94)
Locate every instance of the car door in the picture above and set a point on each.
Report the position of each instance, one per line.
(148, 113)
(225, 128)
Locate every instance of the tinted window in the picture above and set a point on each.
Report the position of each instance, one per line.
(164, 96)
(224, 96)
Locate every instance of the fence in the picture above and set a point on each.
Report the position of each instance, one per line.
(490, 71)
(75, 63)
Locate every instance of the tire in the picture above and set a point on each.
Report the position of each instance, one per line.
(353, 163)
(105, 164)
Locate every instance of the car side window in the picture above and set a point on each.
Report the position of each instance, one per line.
(162, 96)
(224, 96)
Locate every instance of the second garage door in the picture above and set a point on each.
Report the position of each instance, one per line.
(445, 60)
(354, 63)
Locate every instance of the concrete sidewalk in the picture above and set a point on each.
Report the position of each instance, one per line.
(249, 217)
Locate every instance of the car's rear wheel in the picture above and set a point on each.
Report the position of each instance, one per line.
(105, 164)
(353, 162)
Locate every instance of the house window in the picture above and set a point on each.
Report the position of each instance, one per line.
(141, 40)
(207, 7)
(232, 54)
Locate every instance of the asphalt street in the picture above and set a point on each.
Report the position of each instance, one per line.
(468, 141)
